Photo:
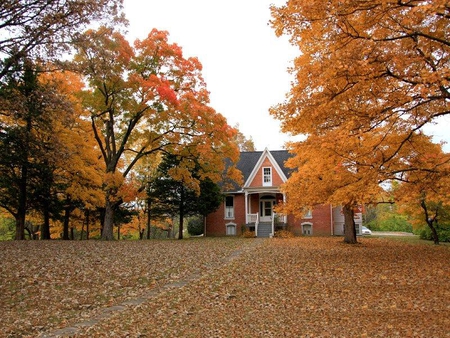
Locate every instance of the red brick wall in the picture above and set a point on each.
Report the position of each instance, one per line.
(258, 182)
(216, 222)
(321, 221)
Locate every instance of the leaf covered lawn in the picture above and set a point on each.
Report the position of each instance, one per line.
(224, 287)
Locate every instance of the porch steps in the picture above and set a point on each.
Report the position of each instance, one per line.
(264, 229)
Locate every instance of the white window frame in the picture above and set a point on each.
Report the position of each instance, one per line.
(308, 224)
(229, 210)
(230, 229)
(267, 177)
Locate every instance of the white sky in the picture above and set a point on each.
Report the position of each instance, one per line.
(244, 63)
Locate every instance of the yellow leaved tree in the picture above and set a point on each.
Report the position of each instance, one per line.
(369, 75)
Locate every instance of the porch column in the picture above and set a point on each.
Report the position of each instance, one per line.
(246, 207)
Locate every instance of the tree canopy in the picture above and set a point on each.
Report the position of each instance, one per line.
(177, 197)
(369, 76)
(41, 29)
(148, 98)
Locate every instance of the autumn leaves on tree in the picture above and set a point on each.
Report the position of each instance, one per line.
(136, 101)
(147, 99)
(82, 135)
(369, 76)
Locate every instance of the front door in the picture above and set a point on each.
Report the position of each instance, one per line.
(266, 208)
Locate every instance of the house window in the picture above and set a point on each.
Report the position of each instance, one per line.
(307, 229)
(307, 213)
(231, 229)
(229, 207)
(267, 177)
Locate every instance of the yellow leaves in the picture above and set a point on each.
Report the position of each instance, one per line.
(113, 181)
(370, 60)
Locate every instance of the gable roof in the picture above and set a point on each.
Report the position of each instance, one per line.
(249, 160)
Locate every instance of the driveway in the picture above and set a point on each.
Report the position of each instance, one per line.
(392, 233)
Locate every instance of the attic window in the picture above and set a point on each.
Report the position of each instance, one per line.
(267, 177)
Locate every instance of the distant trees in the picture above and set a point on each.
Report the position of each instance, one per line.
(369, 76)
(172, 194)
(244, 143)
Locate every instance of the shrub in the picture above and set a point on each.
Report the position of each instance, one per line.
(195, 226)
(443, 234)
(248, 234)
(392, 223)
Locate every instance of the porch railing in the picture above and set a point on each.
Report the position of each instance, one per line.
(277, 218)
(273, 224)
(253, 218)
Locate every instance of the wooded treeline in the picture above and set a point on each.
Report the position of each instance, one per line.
(86, 119)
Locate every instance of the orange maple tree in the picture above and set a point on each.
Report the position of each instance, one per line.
(148, 98)
(368, 77)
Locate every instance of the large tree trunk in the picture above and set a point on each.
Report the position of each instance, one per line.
(433, 232)
(107, 233)
(349, 224)
(87, 225)
(20, 226)
(66, 223)
(22, 207)
(149, 205)
(180, 231)
(430, 220)
(45, 228)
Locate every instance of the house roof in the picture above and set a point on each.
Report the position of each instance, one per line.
(249, 160)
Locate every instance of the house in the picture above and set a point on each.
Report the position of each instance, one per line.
(251, 206)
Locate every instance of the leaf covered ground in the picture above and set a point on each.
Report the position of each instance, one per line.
(225, 287)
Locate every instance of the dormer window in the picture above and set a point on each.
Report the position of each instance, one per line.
(267, 177)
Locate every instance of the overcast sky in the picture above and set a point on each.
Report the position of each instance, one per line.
(244, 63)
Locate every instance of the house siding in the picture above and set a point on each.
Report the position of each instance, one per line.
(321, 221)
(258, 179)
(216, 222)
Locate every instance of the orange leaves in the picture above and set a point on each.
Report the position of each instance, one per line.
(368, 77)
(290, 287)
(167, 94)
(145, 99)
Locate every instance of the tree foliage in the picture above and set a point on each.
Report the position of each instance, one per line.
(172, 194)
(424, 193)
(144, 99)
(40, 29)
(47, 158)
(368, 77)
(244, 143)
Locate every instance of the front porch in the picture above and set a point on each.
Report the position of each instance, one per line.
(266, 229)
(260, 216)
